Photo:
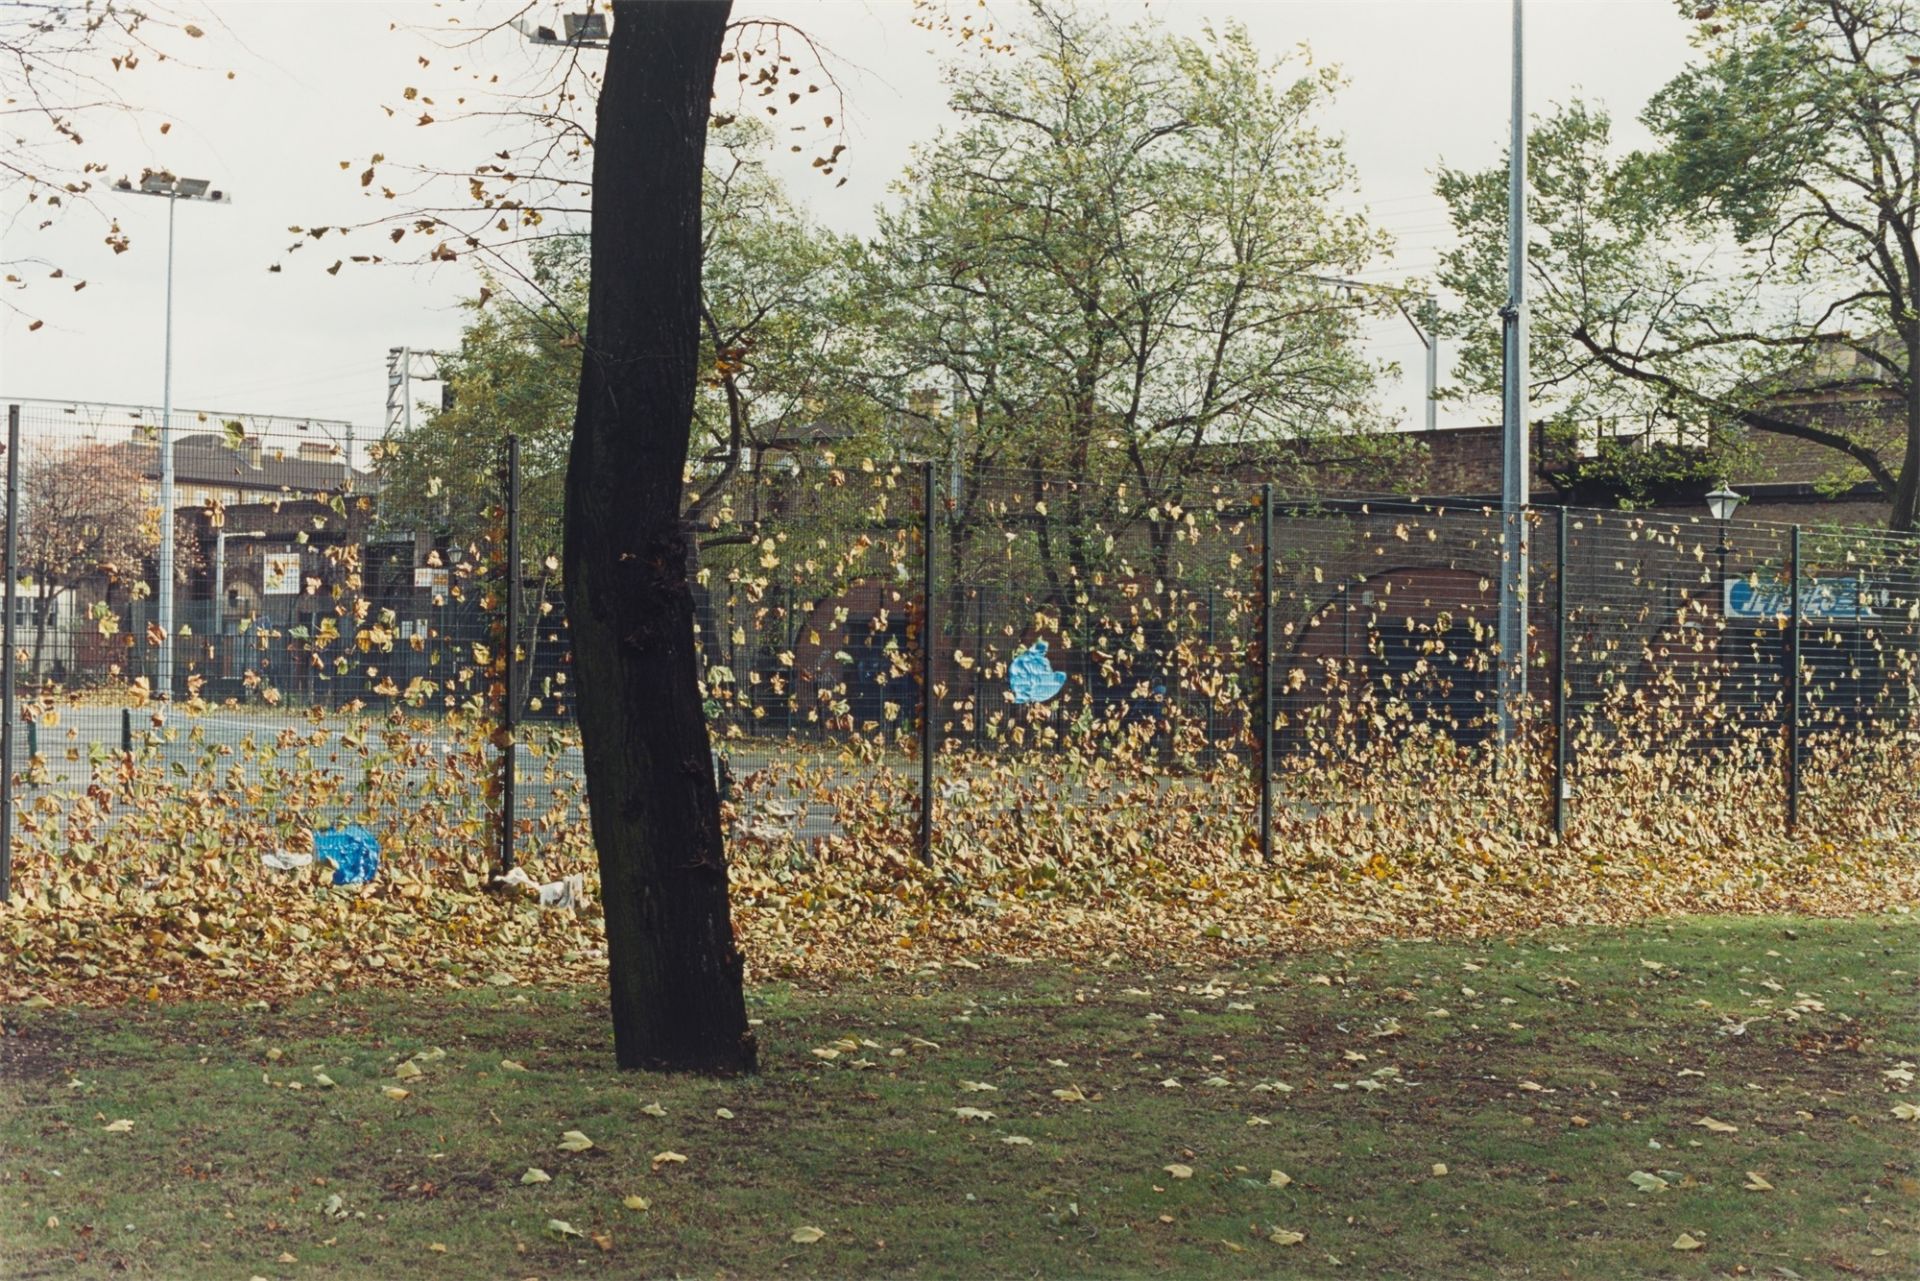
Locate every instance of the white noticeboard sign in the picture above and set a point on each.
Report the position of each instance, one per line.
(431, 579)
(282, 574)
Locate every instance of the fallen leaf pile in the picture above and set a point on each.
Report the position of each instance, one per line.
(140, 876)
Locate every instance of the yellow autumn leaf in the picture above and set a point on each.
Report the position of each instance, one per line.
(1280, 1236)
(574, 1141)
(1685, 1241)
(805, 1236)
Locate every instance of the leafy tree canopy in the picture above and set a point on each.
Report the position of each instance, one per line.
(1753, 272)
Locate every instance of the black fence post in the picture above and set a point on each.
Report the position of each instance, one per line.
(126, 730)
(510, 699)
(1562, 785)
(1266, 673)
(7, 660)
(1212, 668)
(1793, 690)
(925, 833)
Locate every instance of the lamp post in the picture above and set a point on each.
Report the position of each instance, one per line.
(174, 190)
(1722, 503)
(1423, 328)
(1515, 466)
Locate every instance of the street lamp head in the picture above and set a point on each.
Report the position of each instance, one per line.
(1723, 501)
(585, 26)
(580, 30)
(162, 183)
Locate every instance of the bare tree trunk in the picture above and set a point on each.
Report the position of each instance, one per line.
(676, 973)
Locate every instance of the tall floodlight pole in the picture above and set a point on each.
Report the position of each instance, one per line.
(1420, 316)
(1515, 468)
(173, 190)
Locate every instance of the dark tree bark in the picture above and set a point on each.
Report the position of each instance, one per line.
(675, 969)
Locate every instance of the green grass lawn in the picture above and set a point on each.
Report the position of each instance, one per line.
(1433, 1111)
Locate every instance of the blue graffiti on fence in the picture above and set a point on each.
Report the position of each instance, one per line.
(1031, 678)
(1824, 598)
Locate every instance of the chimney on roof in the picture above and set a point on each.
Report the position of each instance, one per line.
(315, 451)
(253, 452)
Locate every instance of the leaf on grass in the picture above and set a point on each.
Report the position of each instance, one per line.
(1017, 1140)
(1071, 1094)
(973, 1114)
(1685, 1241)
(407, 1070)
(1647, 1182)
(654, 1109)
(1755, 1183)
(561, 1228)
(1179, 1171)
(979, 1087)
(805, 1236)
(1439, 1168)
(437, 1247)
(322, 1080)
(510, 1065)
(1718, 1127)
(1279, 1179)
(535, 1174)
(668, 1158)
(395, 1092)
(725, 1114)
(1280, 1236)
(119, 1127)
(636, 1203)
(1906, 1112)
(574, 1141)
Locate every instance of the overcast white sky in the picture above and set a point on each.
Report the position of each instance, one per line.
(1429, 80)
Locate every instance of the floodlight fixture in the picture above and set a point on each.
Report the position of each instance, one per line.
(585, 26)
(577, 30)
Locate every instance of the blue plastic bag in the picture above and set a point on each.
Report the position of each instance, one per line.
(1031, 678)
(353, 851)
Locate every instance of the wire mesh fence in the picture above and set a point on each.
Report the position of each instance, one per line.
(987, 667)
